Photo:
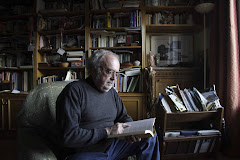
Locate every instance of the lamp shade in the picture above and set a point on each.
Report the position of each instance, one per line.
(204, 7)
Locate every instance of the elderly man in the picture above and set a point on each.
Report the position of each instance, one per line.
(89, 110)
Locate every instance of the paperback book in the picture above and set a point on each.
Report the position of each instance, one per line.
(141, 128)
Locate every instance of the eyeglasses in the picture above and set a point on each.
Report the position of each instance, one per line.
(111, 72)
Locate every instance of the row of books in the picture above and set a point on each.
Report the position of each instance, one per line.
(16, 60)
(130, 80)
(203, 146)
(166, 17)
(71, 75)
(21, 81)
(51, 6)
(54, 23)
(122, 19)
(188, 100)
(114, 39)
(56, 41)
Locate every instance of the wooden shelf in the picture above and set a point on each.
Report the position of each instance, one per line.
(14, 34)
(17, 17)
(64, 31)
(121, 47)
(130, 94)
(155, 9)
(177, 28)
(59, 68)
(114, 10)
(55, 50)
(15, 69)
(114, 29)
(52, 13)
(17, 52)
(188, 121)
(179, 139)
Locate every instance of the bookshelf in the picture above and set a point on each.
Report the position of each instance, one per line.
(168, 21)
(79, 21)
(188, 147)
(120, 29)
(17, 28)
(59, 28)
(128, 36)
(15, 53)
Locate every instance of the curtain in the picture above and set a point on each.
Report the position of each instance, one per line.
(224, 70)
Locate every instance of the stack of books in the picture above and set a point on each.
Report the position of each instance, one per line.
(130, 80)
(75, 58)
(187, 100)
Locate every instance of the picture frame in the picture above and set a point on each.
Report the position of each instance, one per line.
(172, 49)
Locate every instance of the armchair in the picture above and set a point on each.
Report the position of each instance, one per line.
(37, 123)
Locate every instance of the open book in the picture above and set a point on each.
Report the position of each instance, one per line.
(141, 128)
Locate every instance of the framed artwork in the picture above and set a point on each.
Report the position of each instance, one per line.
(173, 49)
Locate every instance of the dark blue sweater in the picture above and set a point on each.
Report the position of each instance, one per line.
(83, 113)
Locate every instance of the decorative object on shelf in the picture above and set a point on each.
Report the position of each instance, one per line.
(173, 49)
(136, 63)
(204, 8)
(151, 56)
(63, 64)
(126, 64)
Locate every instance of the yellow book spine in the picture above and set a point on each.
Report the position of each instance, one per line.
(108, 20)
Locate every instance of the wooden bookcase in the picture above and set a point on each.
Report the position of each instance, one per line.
(185, 147)
(141, 51)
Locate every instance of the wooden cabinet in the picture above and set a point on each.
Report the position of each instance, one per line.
(134, 103)
(185, 77)
(192, 146)
(10, 104)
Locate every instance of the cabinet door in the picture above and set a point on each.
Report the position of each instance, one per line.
(186, 78)
(3, 114)
(14, 106)
(134, 106)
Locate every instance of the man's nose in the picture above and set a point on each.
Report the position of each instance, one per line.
(113, 76)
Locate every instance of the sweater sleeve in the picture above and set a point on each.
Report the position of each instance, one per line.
(68, 118)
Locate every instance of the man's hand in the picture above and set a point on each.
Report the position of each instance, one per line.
(117, 128)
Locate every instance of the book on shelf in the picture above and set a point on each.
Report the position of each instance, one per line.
(203, 101)
(26, 66)
(126, 4)
(133, 83)
(163, 102)
(175, 99)
(74, 59)
(75, 53)
(208, 132)
(204, 145)
(184, 99)
(130, 78)
(141, 128)
(211, 95)
(190, 99)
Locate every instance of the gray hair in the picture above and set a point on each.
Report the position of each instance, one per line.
(94, 63)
